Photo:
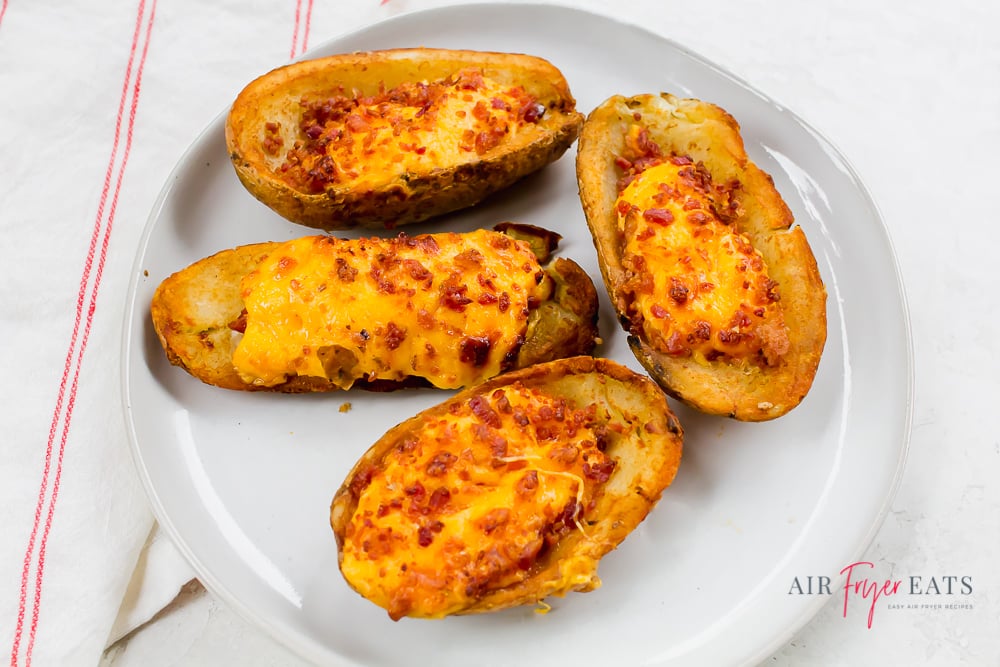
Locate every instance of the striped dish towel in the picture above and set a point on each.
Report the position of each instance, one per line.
(98, 101)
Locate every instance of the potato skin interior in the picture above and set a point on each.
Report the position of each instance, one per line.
(647, 454)
(268, 109)
(710, 137)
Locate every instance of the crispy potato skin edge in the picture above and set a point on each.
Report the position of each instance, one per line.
(191, 311)
(421, 195)
(710, 135)
(646, 465)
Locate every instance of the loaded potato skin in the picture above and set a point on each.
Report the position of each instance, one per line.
(320, 314)
(386, 138)
(507, 493)
(719, 292)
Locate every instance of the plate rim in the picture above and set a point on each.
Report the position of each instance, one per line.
(304, 646)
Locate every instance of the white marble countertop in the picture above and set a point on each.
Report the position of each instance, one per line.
(910, 92)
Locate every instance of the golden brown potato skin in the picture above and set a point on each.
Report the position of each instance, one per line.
(709, 135)
(414, 196)
(645, 465)
(191, 311)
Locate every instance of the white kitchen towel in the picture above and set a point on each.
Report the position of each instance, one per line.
(98, 100)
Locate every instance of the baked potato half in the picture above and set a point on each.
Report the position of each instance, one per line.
(507, 493)
(719, 292)
(386, 138)
(320, 313)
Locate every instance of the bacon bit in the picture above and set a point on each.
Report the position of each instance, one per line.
(678, 291)
(384, 284)
(566, 520)
(394, 336)
(480, 112)
(345, 271)
(425, 242)
(675, 346)
(759, 312)
(504, 302)
(485, 282)
(531, 111)
(658, 216)
(424, 536)
(729, 337)
(647, 147)
(771, 289)
(440, 463)
(599, 472)
(698, 218)
(740, 320)
(498, 103)
(486, 299)
(681, 160)
(624, 208)
(527, 483)
(475, 350)
(706, 286)
(658, 311)
(481, 409)
(645, 233)
(470, 80)
(469, 259)
(691, 204)
(486, 141)
(361, 480)
(417, 270)
(415, 491)
(453, 297)
(439, 499)
(622, 163)
(502, 402)
(702, 330)
(272, 144)
(239, 325)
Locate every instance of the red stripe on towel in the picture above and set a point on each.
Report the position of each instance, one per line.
(305, 35)
(295, 31)
(3, 10)
(298, 48)
(74, 355)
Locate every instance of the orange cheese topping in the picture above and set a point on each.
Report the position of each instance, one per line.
(413, 127)
(696, 286)
(451, 308)
(469, 504)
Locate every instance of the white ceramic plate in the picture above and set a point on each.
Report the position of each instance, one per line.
(243, 482)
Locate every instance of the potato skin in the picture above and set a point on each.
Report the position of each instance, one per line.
(411, 197)
(191, 311)
(709, 135)
(645, 465)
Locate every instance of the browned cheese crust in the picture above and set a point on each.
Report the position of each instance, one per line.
(646, 458)
(193, 309)
(710, 136)
(395, 199)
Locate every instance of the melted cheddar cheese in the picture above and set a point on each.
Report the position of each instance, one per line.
(414, 127)
(469, 503)
(451, 308)
(695, 286)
